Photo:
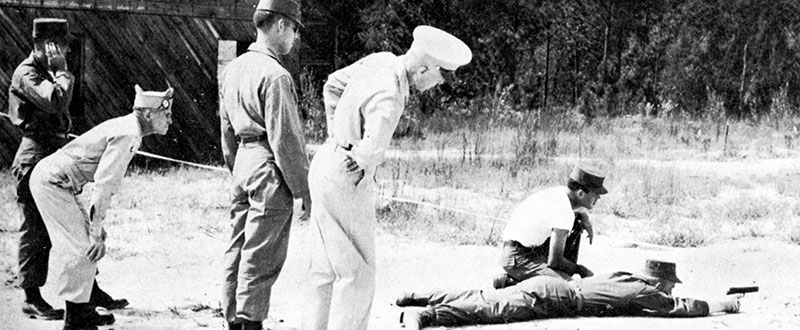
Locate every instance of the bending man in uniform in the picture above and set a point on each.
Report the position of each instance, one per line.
(264, 148)
(38, 104)
(363, 104)
(100, 155)
(543, 235)
(647, 293)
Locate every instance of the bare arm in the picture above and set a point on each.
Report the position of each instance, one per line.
(556, 260)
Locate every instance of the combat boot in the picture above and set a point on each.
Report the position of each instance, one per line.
(409, 299)
(252, 325)
(83, 316)
(102, 299)
(36, 307)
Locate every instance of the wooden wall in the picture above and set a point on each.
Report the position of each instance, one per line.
(124, 48)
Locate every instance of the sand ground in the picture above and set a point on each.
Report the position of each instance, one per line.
(180, 289)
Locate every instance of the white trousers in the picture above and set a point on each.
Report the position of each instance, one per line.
(68, 225)
(342, 243)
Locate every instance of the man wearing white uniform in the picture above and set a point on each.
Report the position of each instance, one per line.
(363, 104)
(100, 155)
(543, 235)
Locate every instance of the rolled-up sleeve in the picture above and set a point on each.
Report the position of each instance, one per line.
(285, 134)
(657, 303)
(110, 170)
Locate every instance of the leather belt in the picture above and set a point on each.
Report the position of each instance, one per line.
(251, 139)
(39, 135)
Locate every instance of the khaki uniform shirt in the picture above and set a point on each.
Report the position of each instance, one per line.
(100, 155)
(363, 104)
(257, 98)
(624, 293)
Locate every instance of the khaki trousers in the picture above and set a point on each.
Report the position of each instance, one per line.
(68, 225)
(342, 243)
(261, 217)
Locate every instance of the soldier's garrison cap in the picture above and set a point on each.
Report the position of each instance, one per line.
(153, 99)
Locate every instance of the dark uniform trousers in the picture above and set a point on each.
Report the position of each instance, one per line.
(34, 242)
(521, 262)
(613, 294)
(539, 298)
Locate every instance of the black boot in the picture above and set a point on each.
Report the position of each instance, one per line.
(36, 307)
(84, 317)
(417, 320)
(102, 299)
(234, 326)
(252, 325)
(502, 281)
(409, 299)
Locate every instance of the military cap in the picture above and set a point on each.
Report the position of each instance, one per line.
(440, 48)
(51, 28)
(590, 181)
(289, 8)
(153, 99)
(661, 270)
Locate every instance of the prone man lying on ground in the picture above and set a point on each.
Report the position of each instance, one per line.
(647, 293)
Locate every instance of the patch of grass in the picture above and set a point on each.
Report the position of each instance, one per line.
(678, 235)
(746, 207)
(794, 235)
(789, 228)
(422, 222)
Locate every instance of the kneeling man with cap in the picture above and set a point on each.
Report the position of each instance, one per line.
(543, 235)
(646, 293)
(363, 104)
(100, 155)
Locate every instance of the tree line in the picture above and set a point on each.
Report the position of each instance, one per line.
(603, 57)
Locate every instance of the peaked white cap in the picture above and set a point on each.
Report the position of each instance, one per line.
(440, 48)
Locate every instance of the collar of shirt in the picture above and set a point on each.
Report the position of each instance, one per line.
(259, 48)
(134, 120)
(402, 78)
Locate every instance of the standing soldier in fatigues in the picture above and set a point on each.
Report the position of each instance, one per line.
(264, 148)
(363, 104)
(38, 103)
(100, 155)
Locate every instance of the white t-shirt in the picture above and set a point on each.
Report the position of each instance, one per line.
(533, 220)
